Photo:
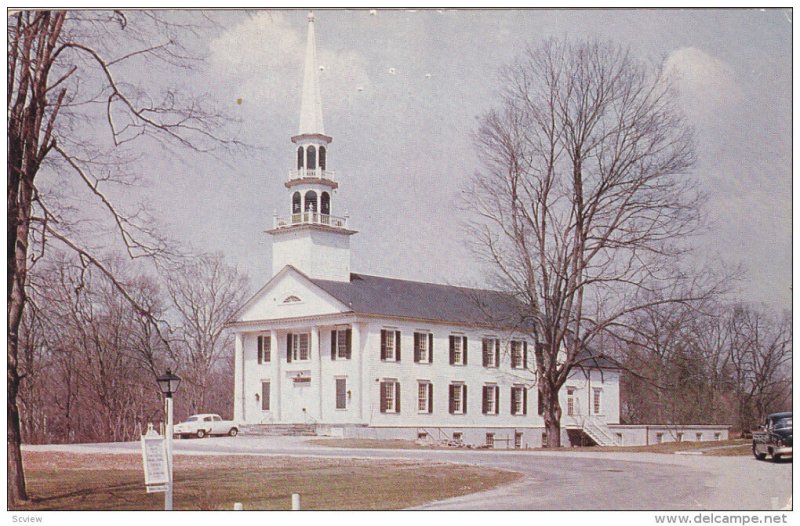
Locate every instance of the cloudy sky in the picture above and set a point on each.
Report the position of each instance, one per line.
(401, 139)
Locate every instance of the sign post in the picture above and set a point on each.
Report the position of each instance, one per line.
(154, 459)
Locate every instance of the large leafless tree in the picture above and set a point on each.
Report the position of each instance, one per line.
(584, 201)
(80, 114)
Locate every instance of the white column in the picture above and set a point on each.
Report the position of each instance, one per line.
(358, 382)
(238, 379)
(316, 353)
(277, 368)
(366, 380)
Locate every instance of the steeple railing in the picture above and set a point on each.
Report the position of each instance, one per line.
(310, 218)
(312, 173)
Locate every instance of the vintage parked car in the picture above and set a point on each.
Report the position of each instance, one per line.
(774, 438)
(205, 425)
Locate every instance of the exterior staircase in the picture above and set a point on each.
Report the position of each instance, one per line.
(599, 431)
(294, 430)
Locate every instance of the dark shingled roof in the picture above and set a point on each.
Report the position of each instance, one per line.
(428, 301)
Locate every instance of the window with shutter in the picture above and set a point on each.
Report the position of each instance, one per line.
(491, 351)
(390, 396)
(423, 397)
(343, 344)
(490, 399)
(390, 345)
(266, 347)
(421, 348)
(517, 360)
(458, 399)
(519, 400)
(298, 347)
(458, 350)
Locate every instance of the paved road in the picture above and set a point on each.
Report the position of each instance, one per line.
(551, 480)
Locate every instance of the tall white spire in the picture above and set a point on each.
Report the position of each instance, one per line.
(311, 105)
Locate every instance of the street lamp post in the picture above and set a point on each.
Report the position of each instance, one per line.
(168, 383)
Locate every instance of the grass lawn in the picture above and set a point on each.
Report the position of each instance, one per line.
(742, 446)
(73, 481)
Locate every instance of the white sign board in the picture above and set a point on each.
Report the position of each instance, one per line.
(154, 458)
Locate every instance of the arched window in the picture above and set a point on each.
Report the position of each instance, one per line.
(311, 158)
(296, 203)
(322, 152)
(325, 203)
(311, 201)
(299, 157)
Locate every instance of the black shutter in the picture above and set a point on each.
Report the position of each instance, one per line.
(464, 347)
(452, 351)
(524, 401)
(525, 355)
(397, 346)
(267, 348)
(485, 406)
(349, 352)
(416, 347)
(383, 345)
(451, 395)
(383, 396)
(497, 353)
(333, 345)
(289, 348)
(512, 398)
(464, 401)
(430, 398)
(540, 402)
(397, 397)
(485, 352)
(260, 349)
(496, 399)
(430, 348)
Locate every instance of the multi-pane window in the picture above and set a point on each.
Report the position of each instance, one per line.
(390, 345)
(458, 350)
(341, 393)
(264, 349)
(265, 396)
(518, 439)
(297, 347)
(425, 397)
(519, 400)
(596, 400)
(491, 402)
(491, 352)
(458, 399)
(390, 396)
(570, 401)
(489, 439)
(423, 347)
(519, 351)
(340, 344)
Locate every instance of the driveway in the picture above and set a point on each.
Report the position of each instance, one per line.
(562, 480)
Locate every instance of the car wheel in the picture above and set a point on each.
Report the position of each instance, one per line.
(776, 458)
(759, 456)
(201, 433)
(233, 432)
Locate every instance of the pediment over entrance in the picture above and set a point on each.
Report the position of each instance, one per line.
(289, 294)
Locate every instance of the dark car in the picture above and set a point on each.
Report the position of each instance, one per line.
(774, 438)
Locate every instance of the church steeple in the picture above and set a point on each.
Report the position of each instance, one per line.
(311, 105)
(311, 237)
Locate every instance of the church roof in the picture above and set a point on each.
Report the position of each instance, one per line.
(412, 299)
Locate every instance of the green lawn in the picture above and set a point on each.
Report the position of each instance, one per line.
(69, 481)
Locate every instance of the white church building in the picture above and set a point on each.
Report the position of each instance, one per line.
(355, 355)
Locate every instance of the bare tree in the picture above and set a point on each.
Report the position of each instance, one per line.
(71, 77)
(584, 204)
(205, 293)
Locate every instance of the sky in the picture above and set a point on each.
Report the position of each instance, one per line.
(402, 92)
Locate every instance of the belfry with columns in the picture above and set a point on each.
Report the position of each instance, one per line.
(309, 236)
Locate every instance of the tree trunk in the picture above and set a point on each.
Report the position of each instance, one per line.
(552, 418)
